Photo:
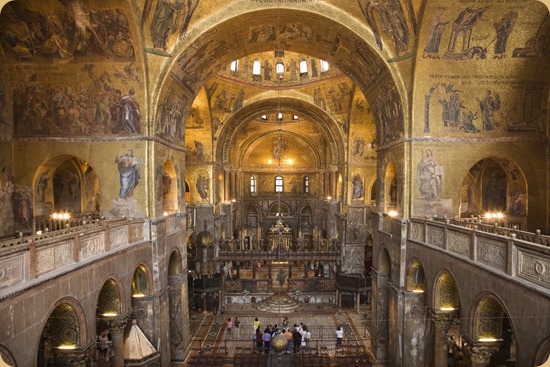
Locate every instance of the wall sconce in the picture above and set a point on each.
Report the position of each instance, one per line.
(418, 290)
(447, 309)
(392, 213)
(138, 295)
(110, 314)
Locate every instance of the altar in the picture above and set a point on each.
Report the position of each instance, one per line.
(282, 231)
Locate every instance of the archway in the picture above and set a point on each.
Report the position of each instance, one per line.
(62, 334)
(496, 189)
(110, 322)
(493, 330)
(65, 184)
(445, 324)
(6, 358)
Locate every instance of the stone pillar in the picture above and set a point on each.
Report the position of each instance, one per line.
(177, 347)
(203, 296)
(357, 301)
(116, 328)
(479, 353)
(442, 323)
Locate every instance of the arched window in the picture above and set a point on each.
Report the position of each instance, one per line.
(234, 65)
(280, 116)
(303, 67)
(294, 117)
(280, 67)
(324, 66)
(256, 68)
(306, 184)
(252, 184)
(279, 184)
(264, 117)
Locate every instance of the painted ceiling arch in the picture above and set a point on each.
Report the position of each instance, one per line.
(319, 121)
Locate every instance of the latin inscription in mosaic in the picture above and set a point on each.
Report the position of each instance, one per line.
(91, 246)
(459, 243)
(118, 236)
(417, 231)
(492, 253)
(11, 271)
(435, 236)
(534, 268)
(52, 258)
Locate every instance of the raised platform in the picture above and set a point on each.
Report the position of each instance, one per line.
(279, 305)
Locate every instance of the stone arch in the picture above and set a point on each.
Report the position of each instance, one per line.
(543, 353)
(174, 263)
(65, 183)
(65, 328)
(446, 294)
(141, 281)
(496, 184)
(492, 325)
(349, 48)
(6, 357)
(416, 278)
(110, 301)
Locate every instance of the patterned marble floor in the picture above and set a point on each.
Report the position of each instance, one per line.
(210, 331)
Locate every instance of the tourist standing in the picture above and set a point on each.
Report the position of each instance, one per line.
(237, 325)
(229, 326)
(267, 339)
(339, 337)
(288, 336)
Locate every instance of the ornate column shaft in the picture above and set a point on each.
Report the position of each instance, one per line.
(116, 328)
(442, 323)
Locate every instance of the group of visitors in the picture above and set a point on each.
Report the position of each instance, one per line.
(297, 336)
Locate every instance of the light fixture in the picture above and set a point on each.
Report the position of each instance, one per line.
(418, 290)
(140, 295)
(487, 340)
(447, 308)
(67, 347)
(110, 314)
(392, 213)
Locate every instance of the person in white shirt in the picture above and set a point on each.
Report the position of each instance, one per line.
(339, 336)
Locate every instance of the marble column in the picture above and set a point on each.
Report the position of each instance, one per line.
(480, 353)
(442, 323)
(116, 328)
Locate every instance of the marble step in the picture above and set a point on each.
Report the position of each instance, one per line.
(278, 304)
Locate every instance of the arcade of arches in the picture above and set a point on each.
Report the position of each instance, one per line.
(164, 160)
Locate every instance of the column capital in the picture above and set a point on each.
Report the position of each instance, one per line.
(73, 358)
(444, 319)
(117, 325)
(482, 352)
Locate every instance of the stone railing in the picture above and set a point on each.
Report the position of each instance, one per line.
(24, 259)
(521, 255)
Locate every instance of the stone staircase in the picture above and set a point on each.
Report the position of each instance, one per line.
(278, 304)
